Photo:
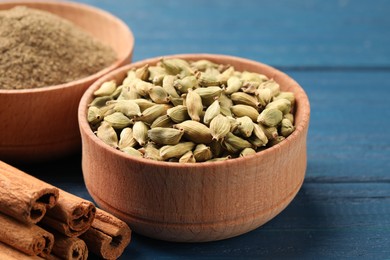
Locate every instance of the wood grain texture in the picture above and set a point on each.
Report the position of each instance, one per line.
(339, 53)
(38, 124)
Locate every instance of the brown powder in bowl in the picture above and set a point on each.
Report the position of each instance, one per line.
(40, 49)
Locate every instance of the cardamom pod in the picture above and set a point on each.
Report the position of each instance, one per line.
(202, 65)
(162, 121)
(107, 134)
(202, 153)
(235, 144)
(186, 83)
(245, 126)
(178, 113)
(177, 66)
(100, 101)
(140, 132)
(128, 107)
(106, 89)
(219, 127)
(212, 111)
(128, 92)
(162, 135)
(117, 92)
(188, 157)
(290, 117)
(253, 76)
(168, 86)
(156, 73)
(151, 113)
(270, 131)
(281, 104)
(151, 151)
(194, 105)
(126, 138)
(245, 110)
(142, 87)
(143, 103)
(118, 120)
(272, 85)
(250, 87)
(286, 127)
(207, 79)
(142, 73)
(234, 84)
(270, 117)
(209, 94)
(264, 96)
(247, 152)
(175, 151)
(260, 135)
(158, 95)
(131, 151)
(195, 131)
(94, 115)
(244, 99)
(286, 95)
(225, 75)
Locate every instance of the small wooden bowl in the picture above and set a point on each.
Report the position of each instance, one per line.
(39, 124)
(202, 201)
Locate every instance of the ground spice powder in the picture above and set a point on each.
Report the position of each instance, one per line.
(40, 49)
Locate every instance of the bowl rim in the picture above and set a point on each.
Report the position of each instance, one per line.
(91, 78)
(84, 125)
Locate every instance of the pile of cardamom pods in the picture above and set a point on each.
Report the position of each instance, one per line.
(191, 111)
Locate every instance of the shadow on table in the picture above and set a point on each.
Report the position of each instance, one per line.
(294, 233)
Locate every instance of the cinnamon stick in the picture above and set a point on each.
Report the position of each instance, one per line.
(29, 239)
(71, 216)
(23, 196)
(10, 253)
(69, 248)
(108, 235)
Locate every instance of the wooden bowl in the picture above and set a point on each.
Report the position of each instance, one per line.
(202, 201)
(39, 124)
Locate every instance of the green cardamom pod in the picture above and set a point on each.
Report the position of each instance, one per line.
(234, 84)
(250, 87)
(178, 113)
(175, 151)
(270, 117)
(194, 105)
(158, 95)
(142, 73)
(162, 121)
(264, 96)
(162, 135)
(272, 85)
(206, 79)
(128, 92)
(212, 111)
(150, 114)
(245, 126)
(118, 120)
(151, 151)
(244, 99)
(177, 66)
(195, 131)
(235, 144)
(247, 152)
(260, 135)
(202, 153)
(188, 157)
(202, 65)
(100, 101)
(219, 127)
(253, 76)
(131, 151)
(245, 110)
(281, 104)
(140, 132)
(143, 103)
(126, 138)
(209, 94)
(94, 115)
(168, 86)
(290, 117)
(106, 89)
(107, 134)
(270, 131)
(128, 107)
(286, 127)
(286, 95)
(186, 83)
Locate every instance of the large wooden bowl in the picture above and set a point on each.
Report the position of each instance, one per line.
(39, 124)
(202, 201)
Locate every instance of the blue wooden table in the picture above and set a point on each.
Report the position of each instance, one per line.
(339, 51)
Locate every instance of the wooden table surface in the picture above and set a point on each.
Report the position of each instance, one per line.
(339, 51)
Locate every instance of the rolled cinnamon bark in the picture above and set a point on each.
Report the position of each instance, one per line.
(70, 248)
(23, 196)
(29, 239)
(108, 236)
(71, 216)
(10, 253)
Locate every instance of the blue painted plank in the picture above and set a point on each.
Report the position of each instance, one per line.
(348, 134)
(328, 220)
(291, 33)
